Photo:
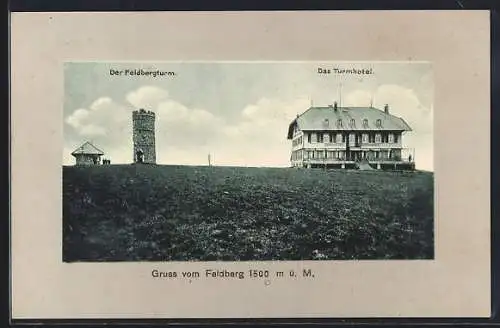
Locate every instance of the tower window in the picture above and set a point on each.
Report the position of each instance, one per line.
(379, 122)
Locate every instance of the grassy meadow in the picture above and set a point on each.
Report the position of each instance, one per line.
(189, 213)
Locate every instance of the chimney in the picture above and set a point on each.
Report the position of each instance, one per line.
(386, 108)
(335, 106)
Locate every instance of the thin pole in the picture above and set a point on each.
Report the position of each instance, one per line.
(340, 95)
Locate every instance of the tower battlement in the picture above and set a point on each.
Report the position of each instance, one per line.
(143, 112)
(143, 124)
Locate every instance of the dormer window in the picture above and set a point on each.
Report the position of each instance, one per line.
(339, 123)
(353, 122)
(379, 123)
(365, 123)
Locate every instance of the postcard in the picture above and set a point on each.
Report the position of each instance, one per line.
(206, 176)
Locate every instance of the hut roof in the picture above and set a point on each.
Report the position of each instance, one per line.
(87, 149)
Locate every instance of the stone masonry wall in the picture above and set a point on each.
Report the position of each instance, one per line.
(144, 134)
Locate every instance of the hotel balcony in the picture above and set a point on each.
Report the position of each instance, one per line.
(352, 145)
(402, 158)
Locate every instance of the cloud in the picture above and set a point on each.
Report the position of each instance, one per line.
(256, 138)
(106, 123)
(78, 118)
(259, 138)
(404, 102)
(94, 121)
(147, 97)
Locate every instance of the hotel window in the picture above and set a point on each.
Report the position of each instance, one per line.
(352, 138)
(339, 123)
(379, 123)
(343, 137)
(332, 137)
(320, 137)
(365, 123)
(378, 138)
(385, 138)
(365, 138)
(372, 138)
(339, 138)
(391, 138)
(396, 137)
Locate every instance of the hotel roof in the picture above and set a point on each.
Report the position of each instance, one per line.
(331, 118)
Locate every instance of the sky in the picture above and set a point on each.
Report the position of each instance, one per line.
(238, 112)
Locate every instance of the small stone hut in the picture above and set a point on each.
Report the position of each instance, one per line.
(87, 154)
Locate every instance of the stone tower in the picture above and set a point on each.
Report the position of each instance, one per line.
(144, 135)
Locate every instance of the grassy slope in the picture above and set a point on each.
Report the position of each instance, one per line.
(140, 212)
